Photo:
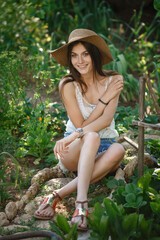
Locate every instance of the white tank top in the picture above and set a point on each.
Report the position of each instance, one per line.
(86, 109)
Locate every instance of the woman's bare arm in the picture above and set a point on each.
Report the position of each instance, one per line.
(71, 105)
(103, 121)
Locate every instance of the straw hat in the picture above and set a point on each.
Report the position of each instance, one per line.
(60, 54)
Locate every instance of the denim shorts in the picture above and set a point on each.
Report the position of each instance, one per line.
(105, 143)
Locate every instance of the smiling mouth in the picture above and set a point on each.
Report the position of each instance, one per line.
(82, 66)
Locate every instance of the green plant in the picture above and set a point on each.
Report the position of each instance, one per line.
(8, 142)
(42, 123)
(112, 221)
(130, 196)
(155, 180)
(18, 27)
(91, 13)
(124, 117)
(138, 29)
(135, 215)
(136, 196)
(63, 229)
(56, 72)
(3, 182)
(37, 139)
(12, 89)
(152, 147)
(46, 120)
(120, 65)
(156, 5)
(156, 74)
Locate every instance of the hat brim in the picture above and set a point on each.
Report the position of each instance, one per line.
(60, 54)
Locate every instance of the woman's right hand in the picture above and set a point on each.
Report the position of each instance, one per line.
(61, 146)
(114, 88)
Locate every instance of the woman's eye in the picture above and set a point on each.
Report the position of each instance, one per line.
(86, 54)
(73, 55)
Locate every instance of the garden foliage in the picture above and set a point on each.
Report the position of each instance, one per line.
(132, 213)
(31, 121)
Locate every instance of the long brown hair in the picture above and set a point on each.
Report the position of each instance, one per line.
(96, 61)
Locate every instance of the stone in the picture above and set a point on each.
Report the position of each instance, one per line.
(41, 176)
(130, 167)
(56, 172)
(119, 174)
(148, 161)
(43, 225)
(46, 172)
(32, 206)
(3, 219)
(25, 218)
(14, 227)
(33, 189)
(19, 204)
(128, 159)
(127, 146)
(55, 183)
(83, 235)
(37, 178)
(25, 198)
(11, 210)
(120, 139)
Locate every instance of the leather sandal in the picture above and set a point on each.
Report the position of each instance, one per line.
(81, 212)
(48, 201)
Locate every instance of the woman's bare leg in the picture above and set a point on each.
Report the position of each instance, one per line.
(105, 163)
(109, 161)
(81, 156)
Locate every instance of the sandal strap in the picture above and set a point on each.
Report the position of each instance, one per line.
(57, 195)
(86, 201)
(82, 203)
(81, 212)
(51, 200)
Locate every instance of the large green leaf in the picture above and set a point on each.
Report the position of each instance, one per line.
(123, 62)
(130, 197)
(103, 226)
(112, 210)
(72, 233)
(132, 188)
(56, 229)
(155, 206)
(144, 227)
(63, 223)
(129, 223)
(157, 5)
(98, 210)
(144, 181)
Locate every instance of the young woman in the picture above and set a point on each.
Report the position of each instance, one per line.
(90, 96)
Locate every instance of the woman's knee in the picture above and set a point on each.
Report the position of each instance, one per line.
(92, 138)
(115, 153)
(119, 151)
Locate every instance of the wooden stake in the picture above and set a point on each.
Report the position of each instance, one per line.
(141, 128)
(154, 97)
(143, 124)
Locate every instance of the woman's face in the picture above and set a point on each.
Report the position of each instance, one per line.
(81, 59)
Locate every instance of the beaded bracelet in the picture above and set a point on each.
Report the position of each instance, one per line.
(103, 102)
